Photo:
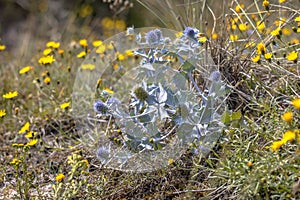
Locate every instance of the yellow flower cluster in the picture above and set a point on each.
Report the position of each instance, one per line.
(233, 37)
(52, 44)
(16, 162)
(46, 60)
(289, 135)
(29, 134)
(110, 26)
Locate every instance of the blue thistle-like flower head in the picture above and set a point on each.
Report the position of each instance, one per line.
(158, 34)
(189, 32)
(100, 107)
(154, 36)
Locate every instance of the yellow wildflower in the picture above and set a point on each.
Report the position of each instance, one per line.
(65, 105)
(170, 161)
(47, 80)
(54, 45)
(100, 49)
(233, 37)
(260, 48)
(288, 136)
(120, 57)
(31, 143)
(238, 8)
(233, 26)
(178, 34)
(260, 25)
(83, 42)
(256, 59)
(286, 31)
(297, 19)
(46, 60)
(25, 69)
(281, 21)
(97, 43)
(2, 47)
(2, 113)
(88, 67)
(296, 103)
(276, 145)
(249, 164)
(17, 145)
(265, 3)
(45, 73)
(47, 51)
(24, 128)
(268, 56)
(108, 91)
(129, 53)
(10, 95)
(276, 32)
(243, 27)
(15, 162)
(30, 134)
(61, 51)
(293, 56)
(116, 67)
(287, 116)
(294, 41)
(214, 36)
(81, 54)
(281, 1)
(59, 177)
(202, 39)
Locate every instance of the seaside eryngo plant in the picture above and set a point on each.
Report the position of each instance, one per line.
(166, 99)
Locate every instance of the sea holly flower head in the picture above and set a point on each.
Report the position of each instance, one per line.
(100, 107)
(153, 37)
(190, 32)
